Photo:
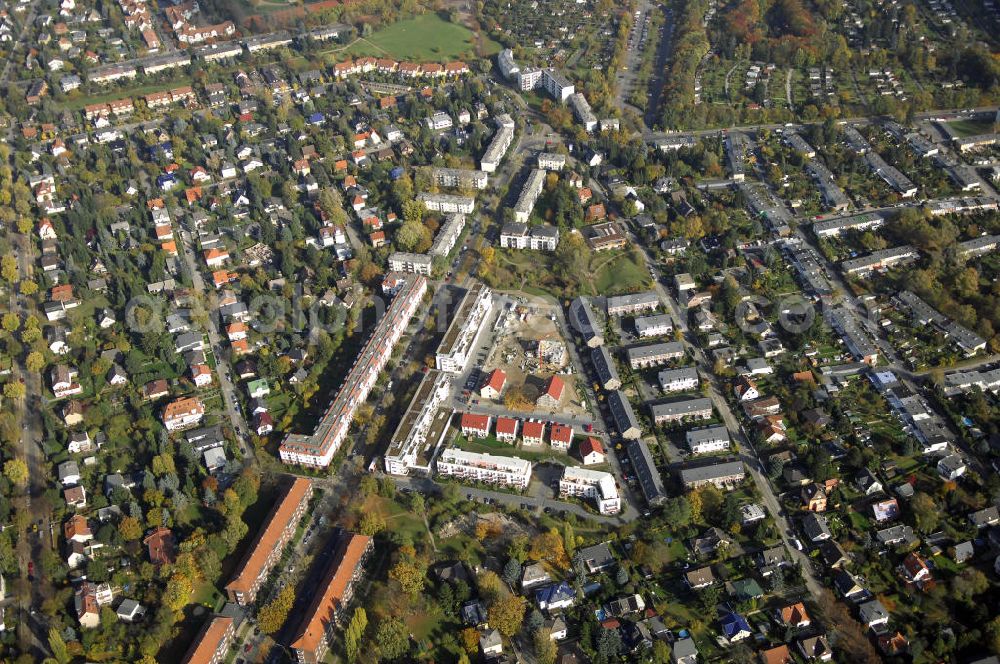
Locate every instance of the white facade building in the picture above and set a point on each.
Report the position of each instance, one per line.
(465, 327)
(707, 440)
(594, 484)
(510, 472)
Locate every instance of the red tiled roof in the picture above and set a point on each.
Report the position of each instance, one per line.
(506, 425)
(532, 429)
(589, 445)
(329, 598)
(555, 388)
(474, 421)
(209, 640)
(253, 565)
(561, 433)
(496, 380)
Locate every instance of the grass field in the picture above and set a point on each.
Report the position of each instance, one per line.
(425, 38)
(963, 128)
(620, 275)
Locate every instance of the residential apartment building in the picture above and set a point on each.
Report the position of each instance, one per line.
(858, 222)
(594, 484)
(460, 177)
(707, 440)
(403, 261)
(529, 194)
(654, 326)
(682, 410)
(556, 84)
(651, 355)
(464, 329)
(582, 318)
(329, 606)
(857, 340)
(212, 643)
(679, 380)
(448, 235)
(634, 303)
(626, 422)
(511, 472)
(183, 413)
(646, 472)
(581, 109)
(604, 367)
(878, 260)
(723, 474)
(266, 550)
(496, 149)
(319, 448)
(507, 65)
(529, 78)
(551, 161)
(422, 427)
(447, 203)
(516, 235)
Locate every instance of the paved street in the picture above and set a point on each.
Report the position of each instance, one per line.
(222, 367)
(746, 451)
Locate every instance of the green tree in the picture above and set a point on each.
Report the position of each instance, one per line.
(354, 633)
(273, 614)
(410, 574)
(544, 647)
(130, 529)
(925, 512)
(392, 639)
(178, 592)
(14, 389)
(506, 614)
(35, 361)
(10, 321)
(371, 524)
(411, 236)
(413, 211)
(8, 269)
(58, 647)
(16, 471)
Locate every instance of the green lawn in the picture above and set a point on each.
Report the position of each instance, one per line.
(424, 38)
(619, 275)
(964, 128)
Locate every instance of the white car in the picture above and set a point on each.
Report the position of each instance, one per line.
(797, 544)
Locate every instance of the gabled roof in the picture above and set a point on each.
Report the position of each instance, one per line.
(590, 445)
(475, 421)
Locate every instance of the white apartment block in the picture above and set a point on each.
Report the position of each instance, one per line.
(511, 472)
(508, 67)
(537, 238)
(654, 326)
(402, 261)
(497, 149)
(529, 194)
(594, 484)
(319, 448)
(707, 440)
(679, 380)
(439, 121)
(448, 235)
(582, 111)
(529, 78)
(421, 429)
(464, 330)
(557, 85)
(460, 177)
(447, 203)
(551, 161)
